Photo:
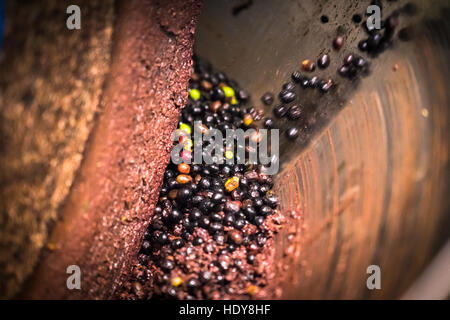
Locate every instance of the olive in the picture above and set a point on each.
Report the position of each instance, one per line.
(296, 76)
(146, 247)
(183, 194)
(177, 243)
(280, 111)
(258, 220)
(294, 112)
(167, 264)
(267, 98)
(268, 123)
(197, 241)
(323, 61)
(292, 133)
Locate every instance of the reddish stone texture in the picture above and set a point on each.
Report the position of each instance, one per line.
(108, 209)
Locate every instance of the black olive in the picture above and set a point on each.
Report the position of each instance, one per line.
(304, 82)
(296, 76)
(359, 62)
(267, 98)
(197, 241)
(294, 112)
(289, 86)
(313, 82)
(188, 224)
(271, 200)
(268, 123)
(217, 197)
(197, 199)
(287, 96)
(218, 94)
(363, 45)
(175, 215)
(204, 222)
(374, 41)
(206, 205)
(266, 210)
(162, 238)
(177, 243)
(205, 276)
(146, 247)
(348, 59)
(280, 111)
(232, 207)
(169, 174)
(157, 224)
(229, 219)
(183, 194)
(219, 238)
(216, 217)
(239, 224)
(325, 85)
(292, 133)
(258, 203)
(215, 226)
(258, 220)
(323, 61)
(172, 183)
(193, 283)
(167, 264)
(226, 170)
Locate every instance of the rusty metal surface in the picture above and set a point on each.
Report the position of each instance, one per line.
(370, 173)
